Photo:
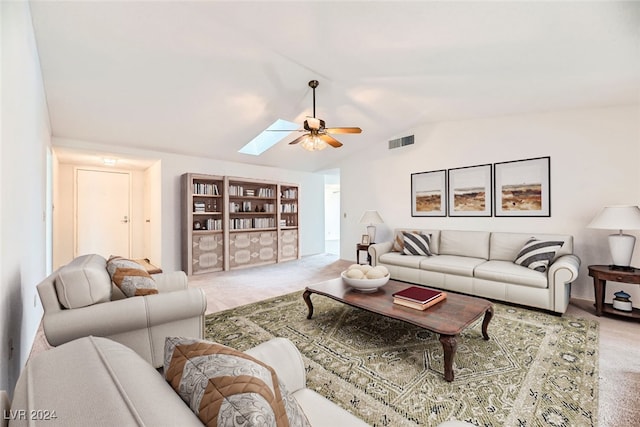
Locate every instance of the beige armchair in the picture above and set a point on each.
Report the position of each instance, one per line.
(79, 299)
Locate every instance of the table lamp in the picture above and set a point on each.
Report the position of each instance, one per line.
(620, 245)
(371, 217)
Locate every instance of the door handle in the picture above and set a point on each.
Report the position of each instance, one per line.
(125, 220)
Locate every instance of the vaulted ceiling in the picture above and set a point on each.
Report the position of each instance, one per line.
(202, 78)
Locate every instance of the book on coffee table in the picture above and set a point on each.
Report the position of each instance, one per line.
(418, 297)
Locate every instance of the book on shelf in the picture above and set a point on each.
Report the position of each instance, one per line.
(418, 297)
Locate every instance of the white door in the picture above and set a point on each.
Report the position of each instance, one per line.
(102, 213)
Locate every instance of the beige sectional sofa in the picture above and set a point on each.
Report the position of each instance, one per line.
(481, 263)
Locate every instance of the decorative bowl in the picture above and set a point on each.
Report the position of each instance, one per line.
(365, 285)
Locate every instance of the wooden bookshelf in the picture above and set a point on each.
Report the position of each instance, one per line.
(232, 222)
(203, 212)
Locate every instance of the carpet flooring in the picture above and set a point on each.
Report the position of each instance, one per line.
(536, 370)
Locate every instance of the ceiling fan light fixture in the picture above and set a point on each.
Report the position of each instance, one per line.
(313, 123)
(313, 143)
(319, 136)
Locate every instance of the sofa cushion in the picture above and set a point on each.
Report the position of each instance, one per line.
(509, 272)
(396, 258)
(225, 387)
(537, 254)
(459, 265)
(416, 244)
(130, 277)
(474, 244)
(84, 281)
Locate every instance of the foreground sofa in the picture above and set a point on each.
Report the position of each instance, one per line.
(481, 263)
(95, 381)
(80, 299)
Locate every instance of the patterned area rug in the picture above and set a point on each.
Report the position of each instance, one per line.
(536, 370)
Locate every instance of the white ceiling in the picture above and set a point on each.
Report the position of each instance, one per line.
(202, 78)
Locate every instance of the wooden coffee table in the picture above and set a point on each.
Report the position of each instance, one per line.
(447, 318)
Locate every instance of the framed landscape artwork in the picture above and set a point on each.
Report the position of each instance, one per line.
(470, 191)
(429, 193)
(522, 187)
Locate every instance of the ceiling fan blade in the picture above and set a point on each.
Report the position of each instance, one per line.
(298, 139)
(344, 130)
(330, 140)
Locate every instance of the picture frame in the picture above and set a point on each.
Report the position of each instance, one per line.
(470, 191)
(365, 239)
(429, 193)
(522, 188)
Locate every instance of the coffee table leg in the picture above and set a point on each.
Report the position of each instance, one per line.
(488, 315)
(307, 298)
(449, 345)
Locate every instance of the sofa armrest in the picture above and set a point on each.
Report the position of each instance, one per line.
(378, 249)
(564, 269)
(115, 317)
(285, 359)
(171, 281)
(562, 272)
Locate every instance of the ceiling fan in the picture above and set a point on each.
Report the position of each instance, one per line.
(319, 136)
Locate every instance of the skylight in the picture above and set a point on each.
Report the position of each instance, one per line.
(267, 139)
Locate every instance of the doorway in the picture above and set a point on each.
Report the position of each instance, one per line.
(332, 213)
(103, 212)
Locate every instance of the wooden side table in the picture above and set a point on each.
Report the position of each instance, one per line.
(602, 273)
(151, 269)
(362, 247)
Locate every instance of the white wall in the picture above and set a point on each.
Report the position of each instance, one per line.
(25, 141)
(594, 162)
(311, 194)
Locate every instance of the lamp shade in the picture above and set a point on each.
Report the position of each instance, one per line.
(371, 217)
(617, 218)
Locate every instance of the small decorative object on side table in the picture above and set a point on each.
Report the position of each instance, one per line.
(622, 302)
(602, 273)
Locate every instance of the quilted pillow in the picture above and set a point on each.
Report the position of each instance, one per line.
(537, 254)
(131, 277)
(225, 387)
(416, 244)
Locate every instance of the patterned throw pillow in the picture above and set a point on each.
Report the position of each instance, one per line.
(416, 244)
(537, 254)
(225, 387)
(398, 240)
(131, 277)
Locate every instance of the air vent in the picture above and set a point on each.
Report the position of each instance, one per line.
(401, 142)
